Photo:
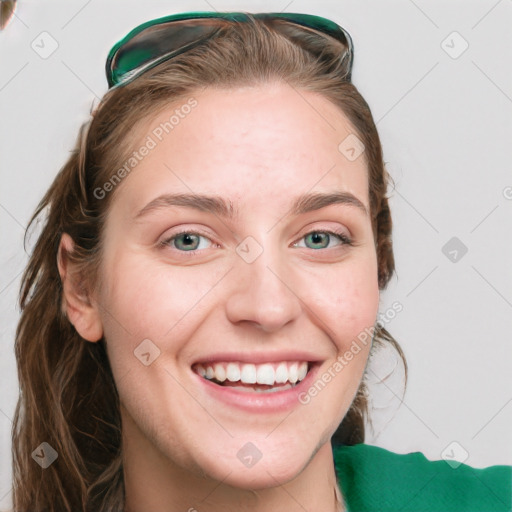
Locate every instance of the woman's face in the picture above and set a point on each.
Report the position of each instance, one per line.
(248, 284)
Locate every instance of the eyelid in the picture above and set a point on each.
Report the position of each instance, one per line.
(341, 235)
(166, 242)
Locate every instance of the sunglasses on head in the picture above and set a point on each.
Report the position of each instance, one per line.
(162, 39)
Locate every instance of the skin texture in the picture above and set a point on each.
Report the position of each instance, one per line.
(258, 147)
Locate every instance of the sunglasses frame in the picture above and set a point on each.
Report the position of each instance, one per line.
(119, 75)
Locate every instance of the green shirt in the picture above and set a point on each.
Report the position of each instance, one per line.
(373, 479)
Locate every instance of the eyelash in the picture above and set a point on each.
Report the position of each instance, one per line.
(344, 239)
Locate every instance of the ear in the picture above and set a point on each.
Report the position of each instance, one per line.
(81, 311)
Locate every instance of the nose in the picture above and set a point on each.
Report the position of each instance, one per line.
(264, 293)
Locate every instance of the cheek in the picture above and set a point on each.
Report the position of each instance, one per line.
(348, 300)
(148, 299)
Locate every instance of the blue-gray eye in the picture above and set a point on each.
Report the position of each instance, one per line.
(318, 240)
(187, 241)
(321, 239)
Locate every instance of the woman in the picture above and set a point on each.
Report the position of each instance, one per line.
(201, 306)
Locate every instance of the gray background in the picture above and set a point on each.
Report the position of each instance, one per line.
(445, 121)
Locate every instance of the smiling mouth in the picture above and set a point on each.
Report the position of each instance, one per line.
(248, 377)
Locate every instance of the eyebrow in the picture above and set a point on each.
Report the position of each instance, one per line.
(217, 205)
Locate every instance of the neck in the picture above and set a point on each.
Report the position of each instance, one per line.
(154, 482)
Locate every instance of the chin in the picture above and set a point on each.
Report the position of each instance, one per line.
(259, 464)
(261, 476)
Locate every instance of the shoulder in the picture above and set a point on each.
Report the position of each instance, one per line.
(375, 479)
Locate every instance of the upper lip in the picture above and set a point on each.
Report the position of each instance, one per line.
(258, 357)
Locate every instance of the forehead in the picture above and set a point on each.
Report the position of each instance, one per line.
(269, 139)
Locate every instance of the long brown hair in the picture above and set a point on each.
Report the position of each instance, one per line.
(68, 396)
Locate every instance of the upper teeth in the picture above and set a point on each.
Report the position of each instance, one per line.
(267, 373)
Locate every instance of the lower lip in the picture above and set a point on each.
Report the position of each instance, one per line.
(259, 401)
